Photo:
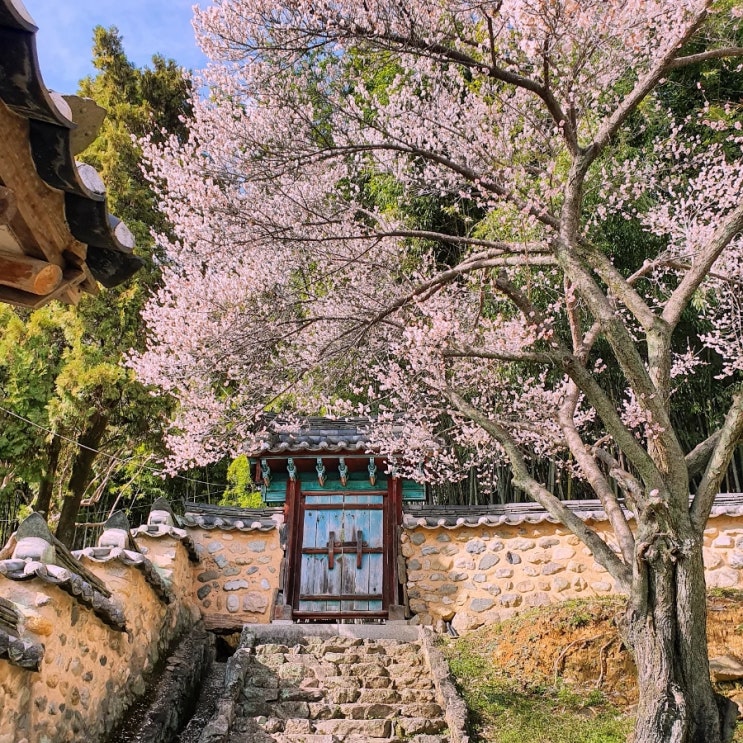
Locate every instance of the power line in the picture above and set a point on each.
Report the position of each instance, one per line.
(106, 454)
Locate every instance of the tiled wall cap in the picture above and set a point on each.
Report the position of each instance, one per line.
(37, 549)
(118, 538)
(160, 517)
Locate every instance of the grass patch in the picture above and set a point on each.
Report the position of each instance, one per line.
(534, 677)
(504, 709)
(560, 674)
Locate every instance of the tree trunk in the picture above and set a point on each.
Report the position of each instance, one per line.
(88, 444)
(46, 485)
(666, 631)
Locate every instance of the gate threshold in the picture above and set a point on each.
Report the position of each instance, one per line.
(292, 632)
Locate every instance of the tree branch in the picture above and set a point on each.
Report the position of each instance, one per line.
(445, 277)
(594, 475)
(523, 480)
(406, 43)
(683, 293)
(606, 410)
(625, 351)
(574, 367)
(697, 458)
(642, 88)
(468, 351)
(622, 289)
(722, 53)
(505, 247)
(626, 481)
(730, 436)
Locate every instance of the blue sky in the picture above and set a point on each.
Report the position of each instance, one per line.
(64, 40)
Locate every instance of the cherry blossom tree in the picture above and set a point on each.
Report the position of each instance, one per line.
(301, 276)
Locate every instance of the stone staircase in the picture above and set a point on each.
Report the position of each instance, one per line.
(314, 688)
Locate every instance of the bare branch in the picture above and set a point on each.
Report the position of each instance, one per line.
(722, 53)
(731, 434)
(523, 480)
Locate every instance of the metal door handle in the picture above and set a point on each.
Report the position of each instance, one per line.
(331, 550)
(359, 548)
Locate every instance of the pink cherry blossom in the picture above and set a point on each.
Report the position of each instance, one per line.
(297, 277)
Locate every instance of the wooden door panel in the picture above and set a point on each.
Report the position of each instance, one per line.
(342, 561)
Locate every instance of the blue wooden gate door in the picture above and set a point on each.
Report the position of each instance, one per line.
(342, 555)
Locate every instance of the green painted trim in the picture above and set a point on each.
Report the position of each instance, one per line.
(309, 486)
(276, 492)
(412, 490)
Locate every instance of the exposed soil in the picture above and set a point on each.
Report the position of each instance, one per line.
(577, 642)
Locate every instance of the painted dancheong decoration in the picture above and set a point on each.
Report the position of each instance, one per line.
(343, 506)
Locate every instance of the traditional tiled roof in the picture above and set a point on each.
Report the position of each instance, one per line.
(54, 129)
(728, 504)
(162, 522)
(129, 558)
(19, 652)
(37, 553)
(316, 435)
(514, 514)
(157, 531)
(79, 589)
(203, 516)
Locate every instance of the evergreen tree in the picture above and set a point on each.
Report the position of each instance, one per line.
(60, 367)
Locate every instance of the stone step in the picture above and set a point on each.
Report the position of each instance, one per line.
(352, 659)
(344, 728)
(319, 738)
(369, 711)
(259, 736)
(394, 739)
(338, 690)
(299, 729)
(405, 727)
(388, 696)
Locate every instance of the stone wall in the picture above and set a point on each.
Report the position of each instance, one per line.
(79, 632)
(723, 552)
(472, 574)
(238, 576)
(101, 619)
(88, 674)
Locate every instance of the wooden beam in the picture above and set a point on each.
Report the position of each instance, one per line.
(67, 291)
(21, 299)
(29, 274)
(70, 290)
(8, 205)
(76, 253)
(39, 221)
